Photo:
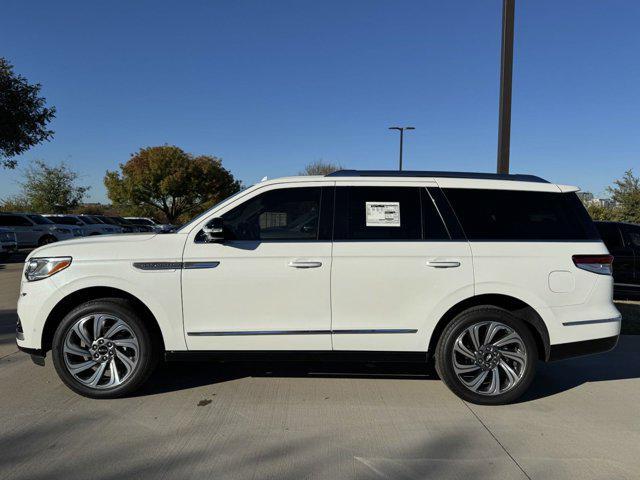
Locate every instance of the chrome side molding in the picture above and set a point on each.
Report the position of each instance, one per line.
(301, 332)
(151, 266)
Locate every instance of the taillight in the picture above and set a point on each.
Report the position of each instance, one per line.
(601, 264)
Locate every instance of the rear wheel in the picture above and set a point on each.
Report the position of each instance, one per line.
(487, 356)
(103, 349)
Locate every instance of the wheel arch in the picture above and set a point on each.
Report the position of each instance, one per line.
(514, 305)
(78, 297)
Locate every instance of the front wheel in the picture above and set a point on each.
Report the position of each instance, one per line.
(487, 356)
(103, 349)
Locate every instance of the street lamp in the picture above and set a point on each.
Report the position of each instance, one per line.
(506, 73)
(401, 130)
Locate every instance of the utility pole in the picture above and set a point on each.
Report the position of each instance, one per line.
(401, 130)
(506, 73)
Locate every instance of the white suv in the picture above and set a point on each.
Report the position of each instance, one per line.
(486, 274)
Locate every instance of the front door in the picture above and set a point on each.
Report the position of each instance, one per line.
(394, 263)
(266, 286)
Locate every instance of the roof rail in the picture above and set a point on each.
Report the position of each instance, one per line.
(422, 173)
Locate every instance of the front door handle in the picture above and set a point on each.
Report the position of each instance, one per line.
(443, 263)
(304, 264)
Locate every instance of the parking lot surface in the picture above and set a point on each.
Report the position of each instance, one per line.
(581, 420)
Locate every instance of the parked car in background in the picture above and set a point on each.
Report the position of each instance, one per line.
(8, 242)
(111, 221)
(149, 222)
(126, 225)
(96, 223)
(87, 225)
(484, 273)
(34, 230)
(623, 241)
(42, 220)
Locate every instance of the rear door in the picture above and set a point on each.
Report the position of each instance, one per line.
(394, 263)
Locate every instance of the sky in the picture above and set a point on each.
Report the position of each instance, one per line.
(270, 86)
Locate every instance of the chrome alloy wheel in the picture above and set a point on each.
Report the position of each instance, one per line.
(100, 351)
(489, 358)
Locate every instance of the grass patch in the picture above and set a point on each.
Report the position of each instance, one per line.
(630, 317)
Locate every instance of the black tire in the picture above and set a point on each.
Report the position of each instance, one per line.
(148, 353)
(445, 353)
(46, 240)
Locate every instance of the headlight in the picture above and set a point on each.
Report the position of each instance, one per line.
(39, 268)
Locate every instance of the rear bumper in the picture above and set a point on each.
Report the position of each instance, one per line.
(578, 349)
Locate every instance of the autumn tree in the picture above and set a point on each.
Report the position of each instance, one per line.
(320, 167)
(23, 115)
(168, 181)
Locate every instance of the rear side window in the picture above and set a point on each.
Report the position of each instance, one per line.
(521, 215)
(386, 213)
(14, 221)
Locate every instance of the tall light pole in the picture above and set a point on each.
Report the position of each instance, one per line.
(506, 72)
(401, 130)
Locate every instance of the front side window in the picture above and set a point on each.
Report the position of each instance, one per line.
(504, 215)
(14, 221)
(40, 220)
(283, 214)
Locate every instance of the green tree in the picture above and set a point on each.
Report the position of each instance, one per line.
(168, 181)
(23, 115)
(600, 212)
(320, 167)
(626, 194)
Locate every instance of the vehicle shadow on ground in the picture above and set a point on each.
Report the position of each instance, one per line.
(551, 379)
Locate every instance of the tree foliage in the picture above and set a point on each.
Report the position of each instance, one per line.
(320, 167)
(47, 189)
(23, 115)
(625, 192)
(168, 181)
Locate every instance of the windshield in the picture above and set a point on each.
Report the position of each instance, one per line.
(107, 220)
(89, 220)
(142, 221)
(39, 219)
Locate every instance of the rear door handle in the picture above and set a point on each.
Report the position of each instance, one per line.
(443, 263)
(304, 264)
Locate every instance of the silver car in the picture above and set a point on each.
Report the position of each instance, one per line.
(88, 224)
(34, 230)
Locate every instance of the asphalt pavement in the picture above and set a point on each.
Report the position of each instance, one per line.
(580, 420)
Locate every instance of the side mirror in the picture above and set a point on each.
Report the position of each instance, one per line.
(214, 230)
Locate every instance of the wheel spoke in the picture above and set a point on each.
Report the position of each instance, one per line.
(516, 356)
(475, 383)
(463, 350)
(131, 343)
(117, 327)
(459, 368)
(128, 363)
(98, 325)
(79, 330)
(509, 339)
(113, 370)
(474, 333)
(72, 349)
(95, 378)
(494, 387)
(76, 368)
(492, 330)
(512, 376)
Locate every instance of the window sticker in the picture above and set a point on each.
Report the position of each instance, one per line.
(383, 214)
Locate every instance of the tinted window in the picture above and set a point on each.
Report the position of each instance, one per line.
(378, 213)
(14, 221)
(521, 215)
(284, 214)
(141, 221)
(633, 235)
(39, 219)
(610, 235)
(432, 224)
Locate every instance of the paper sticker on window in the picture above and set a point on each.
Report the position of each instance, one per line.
(383, 214)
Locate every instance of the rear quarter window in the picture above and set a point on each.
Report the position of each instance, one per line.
(517, 215)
